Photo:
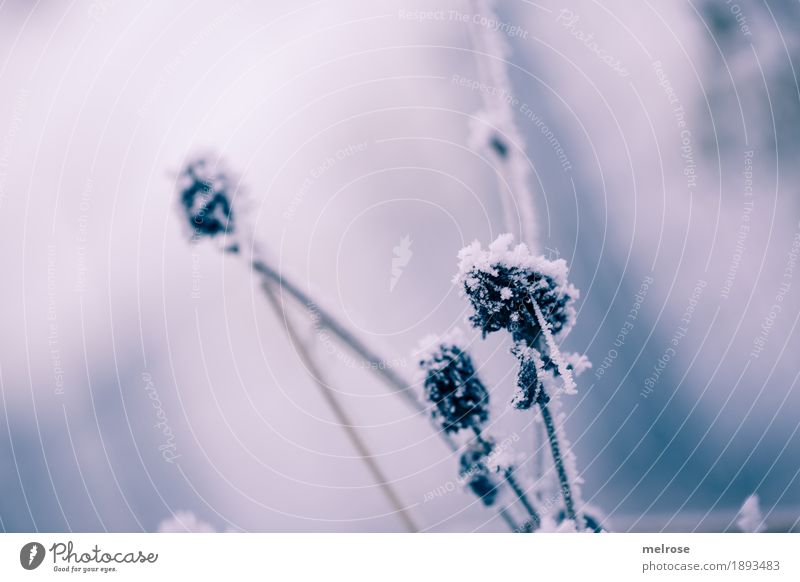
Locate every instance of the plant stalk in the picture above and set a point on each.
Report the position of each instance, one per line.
(339, 412)
(503, 512)
(549, 424)
(329, 322)
(515, 487)
(558, 461)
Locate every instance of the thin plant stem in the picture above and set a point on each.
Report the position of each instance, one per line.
(338, 411)
(520, 493)
(272, 277)
(503, 513)
(515, 487)
(329, 322)
(549, 424)
(558, 460)
(538, 452)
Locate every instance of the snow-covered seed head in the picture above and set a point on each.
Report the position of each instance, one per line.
(502, 283)
(530, 379)
(476, 473)
(459, 398)
(205, 198)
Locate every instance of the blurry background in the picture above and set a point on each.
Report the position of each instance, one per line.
(145, 382)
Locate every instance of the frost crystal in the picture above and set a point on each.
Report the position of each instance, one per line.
(530, 387)
(578, 363)
(205, 195)
(505, 285)
(451, 384)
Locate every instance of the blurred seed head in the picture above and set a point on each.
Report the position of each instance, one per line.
(205, 195)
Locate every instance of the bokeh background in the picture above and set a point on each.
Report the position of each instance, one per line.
(662, 140)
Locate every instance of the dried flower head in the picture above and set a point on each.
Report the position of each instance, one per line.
(460, 400)
(502, 285)
(205, 196)
(476, 472)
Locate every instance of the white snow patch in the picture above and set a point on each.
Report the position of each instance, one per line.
(184, 522)
(750, 518)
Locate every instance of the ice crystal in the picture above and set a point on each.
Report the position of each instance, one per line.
(530, 379)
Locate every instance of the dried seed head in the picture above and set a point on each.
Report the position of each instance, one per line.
(502, 284)
(459, 398)
(206, 199)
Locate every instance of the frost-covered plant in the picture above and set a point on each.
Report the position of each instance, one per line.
(206, 198)
(506, 287)
(206, 192)
(475, 471)
(494, 131)
(529, 297)
(530, 386)
(459, 400)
